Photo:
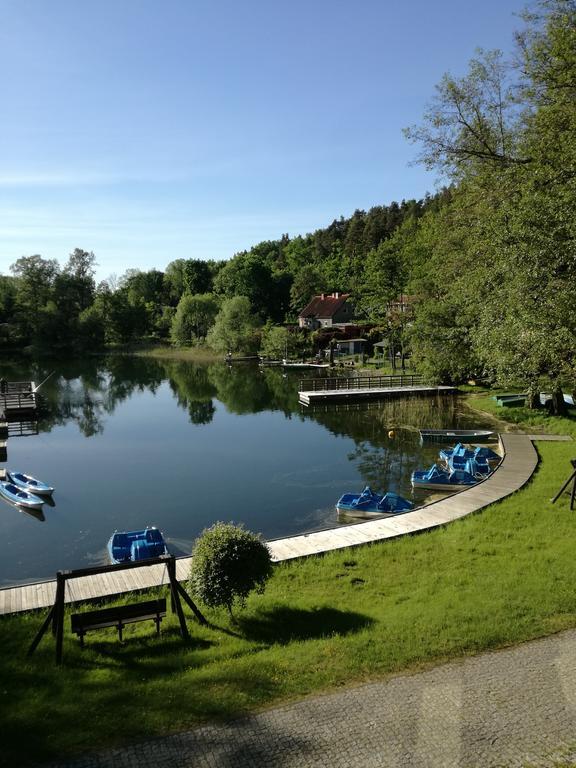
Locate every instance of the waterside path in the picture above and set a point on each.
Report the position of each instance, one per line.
(505, 709)
(516, 468)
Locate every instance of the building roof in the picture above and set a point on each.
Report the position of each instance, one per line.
(325, 305)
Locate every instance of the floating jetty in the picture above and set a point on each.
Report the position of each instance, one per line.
(356, 388)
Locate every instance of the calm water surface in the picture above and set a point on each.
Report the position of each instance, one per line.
(130, 442)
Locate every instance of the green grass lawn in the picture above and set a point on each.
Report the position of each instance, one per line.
(495, 578)
(536, 421)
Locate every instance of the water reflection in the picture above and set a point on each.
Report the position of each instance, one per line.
(35, 514)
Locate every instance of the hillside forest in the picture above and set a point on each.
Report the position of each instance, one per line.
(488, 262)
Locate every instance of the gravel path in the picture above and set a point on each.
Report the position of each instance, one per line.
(515, 707)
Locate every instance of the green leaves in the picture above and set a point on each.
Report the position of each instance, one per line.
(228, 563)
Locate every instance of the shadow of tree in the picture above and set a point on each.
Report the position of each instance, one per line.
(283, 624)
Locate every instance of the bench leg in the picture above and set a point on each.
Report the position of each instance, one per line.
(158, 619)
(81, 639)
(120, 625)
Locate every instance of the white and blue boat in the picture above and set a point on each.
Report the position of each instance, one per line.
(479, 452)
(20, 497)
(371, 504)
(31, 484)
(132, 546)
(478, 467)
(439, 479)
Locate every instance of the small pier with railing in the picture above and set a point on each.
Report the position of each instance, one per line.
(365, 387)
(18, 400)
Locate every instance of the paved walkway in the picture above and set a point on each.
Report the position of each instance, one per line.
(515, 707)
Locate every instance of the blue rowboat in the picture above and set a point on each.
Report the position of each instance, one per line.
(438, 479)
(131, 546)
(29, 483)
(370, 504)
(18, 496)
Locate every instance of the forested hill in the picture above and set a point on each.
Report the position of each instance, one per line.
(43, 303)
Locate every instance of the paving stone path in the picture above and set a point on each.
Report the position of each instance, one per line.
(515, 707)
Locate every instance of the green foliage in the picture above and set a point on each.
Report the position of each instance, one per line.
(228, 563)
(248, 275)
(497, 290)
(193, 318)
(278, 343)
(234, 329)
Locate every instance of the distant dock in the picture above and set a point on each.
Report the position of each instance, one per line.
(357, 388)
(18, 400)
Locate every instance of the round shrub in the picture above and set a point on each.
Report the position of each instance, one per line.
(228, 563)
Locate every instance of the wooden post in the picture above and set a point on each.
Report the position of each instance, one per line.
(41, 631)
(187, 599)
(58, 623)
(571, 479)
(175, 595)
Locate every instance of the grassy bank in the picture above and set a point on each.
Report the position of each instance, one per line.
(493, 579)
(193, 354)
(533, 421)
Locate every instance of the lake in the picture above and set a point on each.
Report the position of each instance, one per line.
(133, 441)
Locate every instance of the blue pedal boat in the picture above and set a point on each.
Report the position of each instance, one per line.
(438, 479)
(131, 546)
(371, 504)
(18, 496)
(459, 450)
(29, 483)
(478, 468)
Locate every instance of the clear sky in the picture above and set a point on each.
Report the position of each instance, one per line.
(150, 130)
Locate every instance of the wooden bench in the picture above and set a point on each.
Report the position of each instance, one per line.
(118, 617)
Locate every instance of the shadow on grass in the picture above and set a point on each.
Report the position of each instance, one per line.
(284, 625)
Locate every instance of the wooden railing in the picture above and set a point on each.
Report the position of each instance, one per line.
(18, 400)
(361, 382)
(15, 387)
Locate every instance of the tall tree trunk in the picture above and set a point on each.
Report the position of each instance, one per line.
(558, 404)
(533, 395)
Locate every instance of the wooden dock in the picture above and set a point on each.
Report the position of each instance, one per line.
(374, 393)
(18, 400)
(519, 462)
(355, 388)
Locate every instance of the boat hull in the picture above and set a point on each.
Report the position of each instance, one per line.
(461, 435)
(430, 486)
(365, 505)
(20, 497)
(30, 484)
(366, 514)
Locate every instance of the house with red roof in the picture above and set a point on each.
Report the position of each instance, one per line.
(326, 310)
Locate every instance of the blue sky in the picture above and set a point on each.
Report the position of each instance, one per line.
(150, 130)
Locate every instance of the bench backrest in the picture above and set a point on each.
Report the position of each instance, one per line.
(110, 616)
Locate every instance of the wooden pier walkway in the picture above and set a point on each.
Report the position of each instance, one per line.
(18, 400)
(357, 388)
(341, 395)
